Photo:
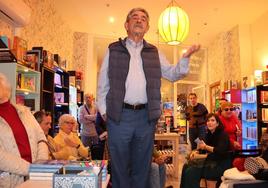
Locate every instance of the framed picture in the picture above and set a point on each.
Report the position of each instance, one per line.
(215, 95)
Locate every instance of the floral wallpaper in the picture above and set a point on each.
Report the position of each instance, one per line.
(224, 57)
(80, 51)
(47, 29)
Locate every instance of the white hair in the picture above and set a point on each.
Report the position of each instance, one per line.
(5, 84)
(66, 117)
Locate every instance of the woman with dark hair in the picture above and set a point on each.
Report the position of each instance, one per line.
(217, 157)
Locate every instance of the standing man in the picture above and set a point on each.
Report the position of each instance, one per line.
(196, 115)
(129, 99)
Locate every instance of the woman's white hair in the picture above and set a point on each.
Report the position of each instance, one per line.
(66, 117)
(5, 84)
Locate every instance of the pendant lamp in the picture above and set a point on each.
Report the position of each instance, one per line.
(173, 24)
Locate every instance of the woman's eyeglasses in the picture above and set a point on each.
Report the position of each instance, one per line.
(228, 109)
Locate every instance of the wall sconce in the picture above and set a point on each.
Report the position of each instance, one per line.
(173, 24)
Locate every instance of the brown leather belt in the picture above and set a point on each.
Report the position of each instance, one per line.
(134, 107)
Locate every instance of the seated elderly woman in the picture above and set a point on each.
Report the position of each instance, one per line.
(217, 157)
(19, 139)
(68, 141)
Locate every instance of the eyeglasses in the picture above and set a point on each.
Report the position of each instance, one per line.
(228, 109)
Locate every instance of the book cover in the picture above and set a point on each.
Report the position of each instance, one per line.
(59, 97)
(42, 174)
(264, 96)
(28, 82)
(19, 81)
(20, 99)
(41, 177)
(19, 48)
(48, 164)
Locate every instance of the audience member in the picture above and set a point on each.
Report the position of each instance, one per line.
(158, 170)
(19, 139)
(74, 148)
(97, 150)
(217, 157)
(87, 117)
(44, 119)
(221, 101)
(232, 125)
(196, 116)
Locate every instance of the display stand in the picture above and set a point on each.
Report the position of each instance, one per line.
(173, 168)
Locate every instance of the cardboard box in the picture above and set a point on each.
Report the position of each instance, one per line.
(70, 178)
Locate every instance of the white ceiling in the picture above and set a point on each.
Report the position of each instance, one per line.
(207, 17)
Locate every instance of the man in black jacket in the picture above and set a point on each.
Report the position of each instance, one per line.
(196, 116)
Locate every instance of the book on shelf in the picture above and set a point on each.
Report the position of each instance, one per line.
(20, 99)
(59, 97)
(6, 56)
(28, 82)
(19, 48)
(264, 114)
(264, 96)
(251, 96)
(52, 164)
(18, 81)
(33, 59)
(251, 115)
(251, 132)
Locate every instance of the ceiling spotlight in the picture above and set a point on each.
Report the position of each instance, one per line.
(111, 19)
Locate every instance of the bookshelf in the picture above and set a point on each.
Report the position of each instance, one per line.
(76, 81)
(47, 89)
(232, 95)
(172, 170)
(249, 118)
(61, 95)
(25, 83)
(262, 108)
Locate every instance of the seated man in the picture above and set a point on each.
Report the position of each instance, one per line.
(158, 170)
(68, 141)
(19, 139)
(44, 119)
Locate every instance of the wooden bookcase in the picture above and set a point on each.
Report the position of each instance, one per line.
(61, 96)
(262, 109)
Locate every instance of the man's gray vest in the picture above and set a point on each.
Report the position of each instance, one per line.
(118, 70)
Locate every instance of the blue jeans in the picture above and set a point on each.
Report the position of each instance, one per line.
(194, 133)
(130, 143)
(157, 175)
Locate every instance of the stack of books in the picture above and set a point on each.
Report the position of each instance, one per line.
(45, 169)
